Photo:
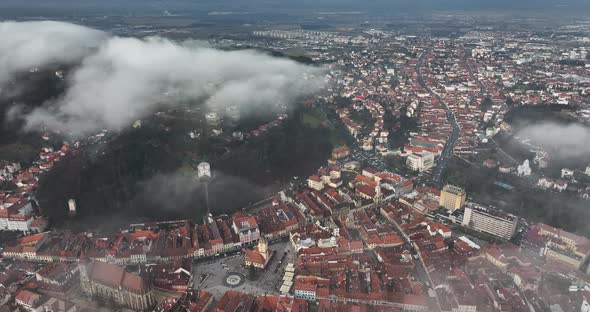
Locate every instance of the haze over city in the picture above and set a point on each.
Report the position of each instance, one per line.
(274, 155)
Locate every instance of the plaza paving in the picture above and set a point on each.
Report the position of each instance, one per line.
(218, 271)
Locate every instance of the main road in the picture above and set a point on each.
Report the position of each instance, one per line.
(482, 87)
(447, 152)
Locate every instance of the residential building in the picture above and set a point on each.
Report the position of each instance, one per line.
(570, 249)
(174, 276)
(307, 287)
(567, 173)
(16, 215)
(246, 227)
(340, 152)
(191, 300)
(234, 301)
(439, 228)
(28, 300)
(315, 183)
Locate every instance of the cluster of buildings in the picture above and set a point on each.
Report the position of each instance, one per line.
(364, 95)
(387, 254)
(329, 194)
(365, 239)
(357, 260)
(17, 195)
(36, 286)
(141, 243)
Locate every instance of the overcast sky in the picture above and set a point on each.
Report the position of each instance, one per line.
(194, 6)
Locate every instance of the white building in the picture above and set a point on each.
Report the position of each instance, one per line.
(439, 228)
(315, 183)
(16, 216)
(204, 170)
(490, 221)
(545, 183)
(8, 170)
(524, 169)
(420, 161)
(72, 207)
(567, 173)
(560, 185)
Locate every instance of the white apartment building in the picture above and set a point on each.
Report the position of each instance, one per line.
(490, 221)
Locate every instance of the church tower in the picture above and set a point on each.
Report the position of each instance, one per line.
(263, 248)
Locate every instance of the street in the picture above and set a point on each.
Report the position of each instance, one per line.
(447, 152)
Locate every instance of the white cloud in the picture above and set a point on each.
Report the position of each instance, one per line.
(26, 45)
(567, 141)
(124, 79)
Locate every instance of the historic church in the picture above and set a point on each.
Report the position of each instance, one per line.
(111, 282)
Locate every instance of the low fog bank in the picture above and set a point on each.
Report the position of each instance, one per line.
(567, 143)
(184, 195)
(120, 79)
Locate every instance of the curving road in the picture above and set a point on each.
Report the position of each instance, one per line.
(447, 152)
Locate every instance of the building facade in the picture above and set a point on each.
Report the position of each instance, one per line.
(16, 216)
(315, 183)
(247, 229)
(259, 256)
(340, 152)
(452, 197)
(490, 221)
(420, 161)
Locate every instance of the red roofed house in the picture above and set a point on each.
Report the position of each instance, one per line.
(439, 228)
(315, 183)
(246, 227)
(233, 301)
(366, 192)
(340, 152)
(370, 172)
(173, 276)
(191, 300)
(28, 300)
(307, 287)
(16, 215)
